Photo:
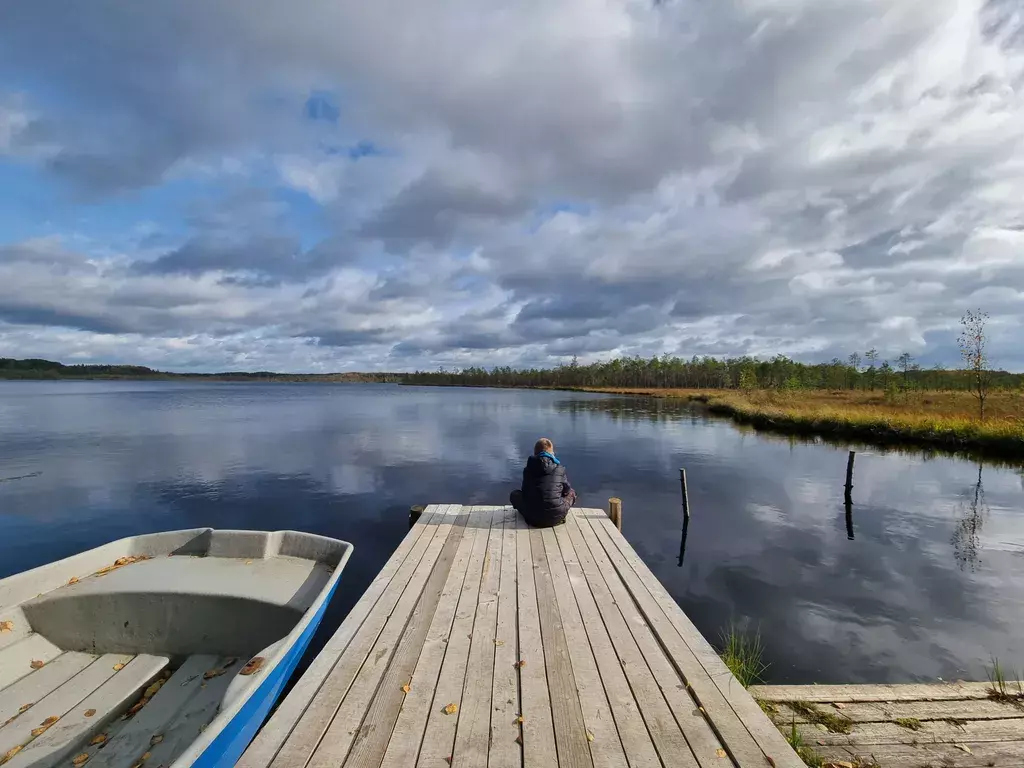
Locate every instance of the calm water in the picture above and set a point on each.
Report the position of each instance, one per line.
(931, 584)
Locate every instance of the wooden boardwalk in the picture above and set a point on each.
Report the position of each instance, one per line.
(483, 642)
(947, 725)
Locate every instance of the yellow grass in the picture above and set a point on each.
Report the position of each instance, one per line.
(943, 419)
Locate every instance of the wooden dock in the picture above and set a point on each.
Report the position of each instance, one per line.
(942, 725)
(483, 642)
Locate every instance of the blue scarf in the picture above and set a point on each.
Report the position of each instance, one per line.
(549, 455)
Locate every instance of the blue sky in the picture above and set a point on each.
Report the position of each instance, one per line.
(344, 185)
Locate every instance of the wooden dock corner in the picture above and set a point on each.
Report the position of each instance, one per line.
(484, 642)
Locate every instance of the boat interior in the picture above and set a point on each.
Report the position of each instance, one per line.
(124, 655)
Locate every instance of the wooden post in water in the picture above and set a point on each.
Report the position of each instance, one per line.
(414, 514)
(615, 512)
(686, 496)
(849, 476)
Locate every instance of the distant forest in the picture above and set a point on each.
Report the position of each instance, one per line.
(47, 369)
(735, 373)
(627, 372)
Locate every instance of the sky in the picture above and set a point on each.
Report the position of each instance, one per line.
(202, 185)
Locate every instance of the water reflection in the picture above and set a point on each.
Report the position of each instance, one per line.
(766, 545)
(967, 534)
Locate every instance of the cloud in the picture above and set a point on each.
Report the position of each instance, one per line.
(368, 185)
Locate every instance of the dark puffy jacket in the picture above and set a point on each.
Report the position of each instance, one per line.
(544, 492)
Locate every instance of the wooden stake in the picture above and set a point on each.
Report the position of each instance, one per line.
(414, 514)
(686, 496)
(615, 512)
(849, 474)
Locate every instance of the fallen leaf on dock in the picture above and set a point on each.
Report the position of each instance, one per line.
(406, 688)
(519, 740)
(135, 708)
(10, 753)
(964, 747)
(590, 736)
(212, 673)
(98, 739)
(81, 759)
(120, 563)
(451, 709)
(90, 712)
(253, 666)
(248, 562)
(152, 690)
(37, 664)
(6, 626)
(520, 719)
(719, 752)
(839, 705)
(25, 708)
(50, 720)
(72, 580)
(118, 667)
(156, 740)
(37, 732)
(520, 664)
(145, 757)
(499, 642)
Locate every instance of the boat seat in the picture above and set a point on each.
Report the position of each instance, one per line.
(70, 703)
(180, 605)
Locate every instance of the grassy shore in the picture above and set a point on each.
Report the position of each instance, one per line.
(947, 420)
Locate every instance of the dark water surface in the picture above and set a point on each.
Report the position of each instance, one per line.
(931, 585)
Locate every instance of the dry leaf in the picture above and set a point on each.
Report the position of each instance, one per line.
(50, 720)
(964, 747)
(499, 642)
(37, 664)
(81, 759)
(156, 740)
(839, 705)
(6, 626)
(520, 664)
(719, 753)
(135, 708)
(212, 673)
(25, 708)
(248, 562)
(118, 667)
(520, 719)
(37, 732)
(72, 580)
(98, 739)
(90, 712)
(519, 739)
(10, 753)
(145, 756)
(406, 688)
(152, 690)
(451, 709)
(590, 736)
(253, 666)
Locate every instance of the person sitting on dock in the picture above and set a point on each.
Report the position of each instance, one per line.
(546, 496)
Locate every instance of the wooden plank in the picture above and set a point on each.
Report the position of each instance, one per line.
(571, 737)
(885, 711)
(606, 747)
(538, 728)
(902, 692)
(16, 659)
(614, 599)
(130, 742)
(865, 734)
(473, 733)
(376, 729)
(1004, 754)
(317, 718)
(275, 732)
(647, 726)
(745, 731)
(192, 718)
(365, 663)
(74, 729)
(506, 739)
(62, 700)
(28, 690)
(439, 737)
(404, 746)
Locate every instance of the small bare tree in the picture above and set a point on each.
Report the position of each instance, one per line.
(906, 361)
(972, 341)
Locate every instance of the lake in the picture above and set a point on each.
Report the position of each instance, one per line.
(924, 580)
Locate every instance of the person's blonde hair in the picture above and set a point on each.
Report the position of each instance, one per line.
(543, 445)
